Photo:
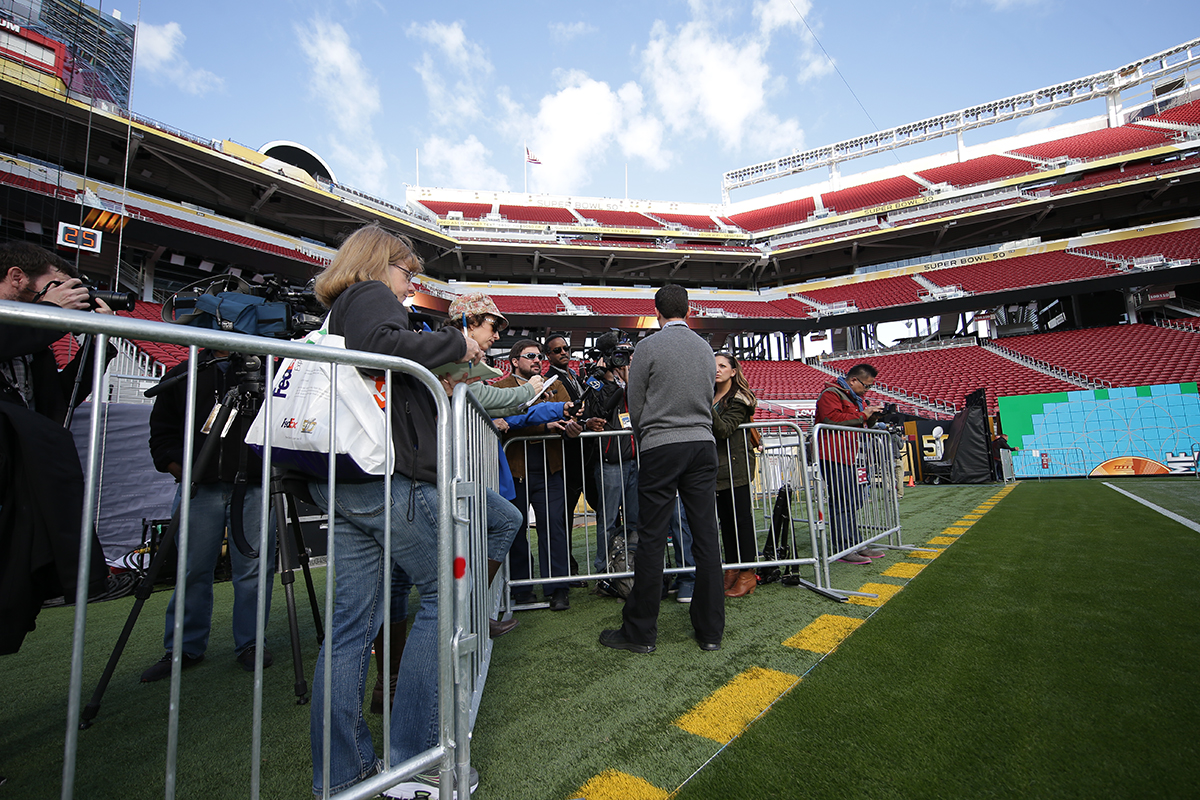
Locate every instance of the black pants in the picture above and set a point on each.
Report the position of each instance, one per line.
(737, 525)
(691, 469)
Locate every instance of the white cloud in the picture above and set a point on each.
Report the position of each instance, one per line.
(160, 55)
(461, 165)
(563, 32)
(1039, 121)
(460, 97)
(350, 96)
(575, 128)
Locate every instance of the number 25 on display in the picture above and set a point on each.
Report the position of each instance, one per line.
(82, 238)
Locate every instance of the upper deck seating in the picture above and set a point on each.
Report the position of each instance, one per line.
(618, 219)
(547, 214)
(879, 293)
(984, 169)
(1186, 114)
(469, 210)
(1097, 144)
(761, 219)
(742, 308)
(876, 193)
(1174, 245)
(182, 224)
(1019, 272)
(617, 306)
(527, 304)
(950, 374)
(41, 187)
(1123, 355)
(792, 308)
(697, 222)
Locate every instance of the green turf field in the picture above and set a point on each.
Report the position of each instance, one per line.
(1050, 650)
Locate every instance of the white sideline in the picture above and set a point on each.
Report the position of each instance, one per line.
(1169, 514)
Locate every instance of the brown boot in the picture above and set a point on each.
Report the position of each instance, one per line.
(495, 626)
(731, 576)
(399, 636)
(745, 584)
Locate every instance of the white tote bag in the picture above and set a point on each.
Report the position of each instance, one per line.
(300, 417)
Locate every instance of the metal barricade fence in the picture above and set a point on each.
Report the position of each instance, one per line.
(856, 493)
(769, 515)
(458, 613)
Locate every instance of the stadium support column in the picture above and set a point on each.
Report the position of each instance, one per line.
(1131, 305)
(962, 148)
(1113, 102)
(835, 176)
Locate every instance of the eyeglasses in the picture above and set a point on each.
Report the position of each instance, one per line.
(532, 356)
(409, 275)
(557, 350)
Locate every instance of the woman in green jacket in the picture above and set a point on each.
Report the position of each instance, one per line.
(733, 405)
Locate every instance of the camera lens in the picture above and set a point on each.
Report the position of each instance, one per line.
(117, 301)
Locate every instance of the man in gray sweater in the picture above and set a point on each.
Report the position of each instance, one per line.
(670, 395)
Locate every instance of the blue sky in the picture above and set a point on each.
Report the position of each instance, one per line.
(677, 91)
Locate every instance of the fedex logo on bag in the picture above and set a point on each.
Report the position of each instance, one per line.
(285, 380)
(303, 425)
(380, 393)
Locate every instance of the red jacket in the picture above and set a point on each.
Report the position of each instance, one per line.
(836, 407)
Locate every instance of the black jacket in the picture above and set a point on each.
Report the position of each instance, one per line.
(167, 420)
(51, 388)
(372, 319)
(615, 449)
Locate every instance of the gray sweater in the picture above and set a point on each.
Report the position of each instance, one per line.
(670, 388)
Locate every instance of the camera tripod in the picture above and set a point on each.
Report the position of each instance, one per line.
(243, 398)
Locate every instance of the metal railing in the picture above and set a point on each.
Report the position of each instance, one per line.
(458, 612)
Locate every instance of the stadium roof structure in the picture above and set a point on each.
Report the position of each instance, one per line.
(179, 205)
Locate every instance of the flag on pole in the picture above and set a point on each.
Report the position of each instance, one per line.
(530, 157)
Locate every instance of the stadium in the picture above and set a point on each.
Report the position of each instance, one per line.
(1058, 270)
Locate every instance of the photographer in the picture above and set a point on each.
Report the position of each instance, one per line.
(616, 469)
(41, 480)
(842, 403)
(214, 502)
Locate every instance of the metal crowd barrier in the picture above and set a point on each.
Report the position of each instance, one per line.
(856, 493)
(461, 611)
(777, 504)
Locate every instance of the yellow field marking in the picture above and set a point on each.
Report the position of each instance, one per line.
(925, 553)
(954, 531)
(903, 569)
(973, 516)
(824, 633)
(943, 540)
(886, 591)
(964, 523)
(726, 712)
(613, 785)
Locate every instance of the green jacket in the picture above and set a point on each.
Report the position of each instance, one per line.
(501, 401)
(735, 459)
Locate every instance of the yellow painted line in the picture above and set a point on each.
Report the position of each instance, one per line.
(726, 712)
(824, 633)
(943, 540)
(903, 569)
(973, 516)
(964, 523)
(955, 530)
(886, 591)
(925, 554)
(613, 785)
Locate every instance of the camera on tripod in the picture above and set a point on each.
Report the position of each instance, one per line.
(229, 303)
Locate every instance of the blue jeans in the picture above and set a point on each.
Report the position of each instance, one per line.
(844, 497)
(618, 493)
(209, 518)
(547, 496)
(681, 538)
(359, 566)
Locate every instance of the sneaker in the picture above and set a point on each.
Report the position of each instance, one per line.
(616, 640)
(854, 558)
(872, 552)
(685, 592)
(424, 786)
(162, 668)
(246, 658)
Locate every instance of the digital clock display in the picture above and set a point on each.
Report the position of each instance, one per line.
(82, 238)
